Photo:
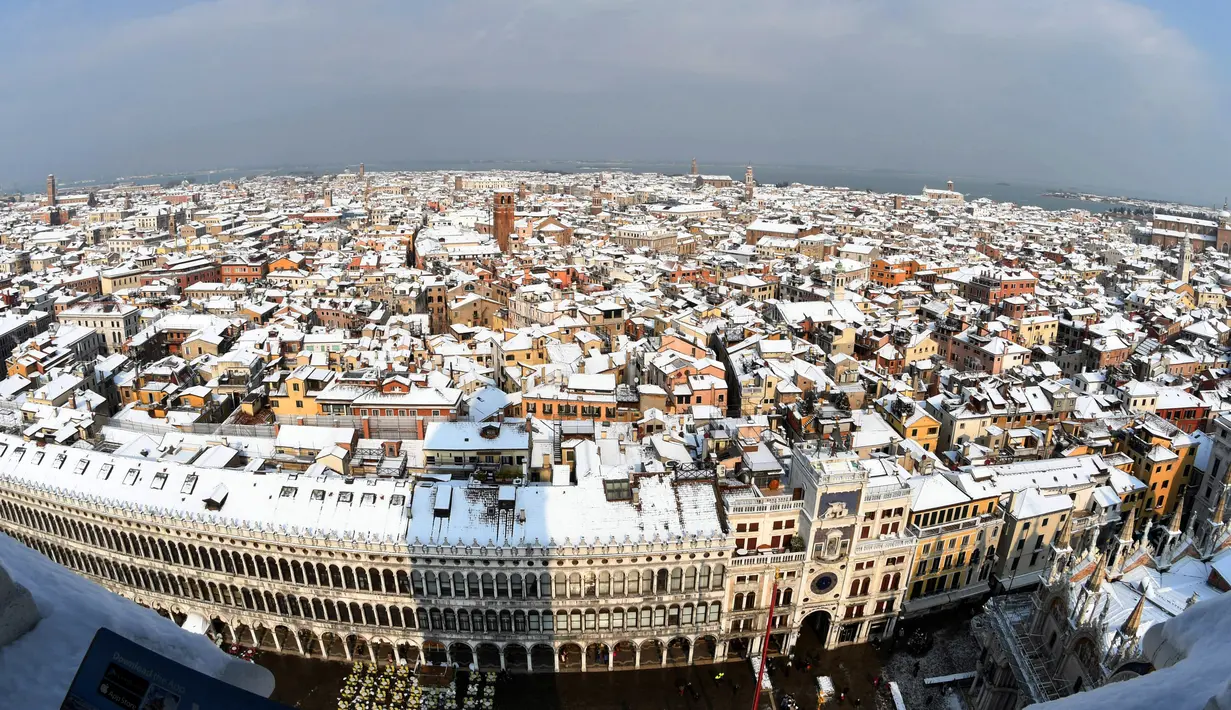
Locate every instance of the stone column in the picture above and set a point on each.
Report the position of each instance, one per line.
(583, 661)
(663, 655)
(298, 643)
(611, 658)
(637, 656)
(529, 660)
(692, 646)
(397, 655)
(555, 658)
(502, 660)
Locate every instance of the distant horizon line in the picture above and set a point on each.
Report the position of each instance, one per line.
(34, 186)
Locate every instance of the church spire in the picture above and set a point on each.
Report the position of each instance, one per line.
(1133, 622)
(1096, 578)
(1126, 533)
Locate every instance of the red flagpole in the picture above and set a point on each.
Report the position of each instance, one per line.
(769, 625)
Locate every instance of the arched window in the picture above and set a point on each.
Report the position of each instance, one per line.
(660, 583)
(677, 579)
(617, 584)
(690, 579)
(502, 585)
(703, 581)
(515, 586)
(561, 584)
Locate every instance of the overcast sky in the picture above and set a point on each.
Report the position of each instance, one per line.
(1102, 93)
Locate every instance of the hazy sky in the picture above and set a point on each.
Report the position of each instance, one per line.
(1103, 93)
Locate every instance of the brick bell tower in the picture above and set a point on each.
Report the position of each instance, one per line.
(502, 218)
(52, 200)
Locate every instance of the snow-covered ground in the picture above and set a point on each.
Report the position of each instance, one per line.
(954, 651)
(36, 669)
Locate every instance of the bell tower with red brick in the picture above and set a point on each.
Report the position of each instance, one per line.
(502, 218)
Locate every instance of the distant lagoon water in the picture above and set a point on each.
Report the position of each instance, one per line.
(885, 181)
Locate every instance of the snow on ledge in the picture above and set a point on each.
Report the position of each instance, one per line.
(38, 667)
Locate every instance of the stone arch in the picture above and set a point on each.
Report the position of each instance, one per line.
(487, 656)
(516, 657)
(677, 651)
(461, 654)
(409, 653)
(597, 656)
(570, 657)
(542, 658)
(333, 646)
(382, 648)
(705, 649)
(310, 643)
(651, 652)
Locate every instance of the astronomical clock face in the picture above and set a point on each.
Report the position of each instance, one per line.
(825, 582)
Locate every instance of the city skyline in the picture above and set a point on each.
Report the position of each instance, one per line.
(1110, 94)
